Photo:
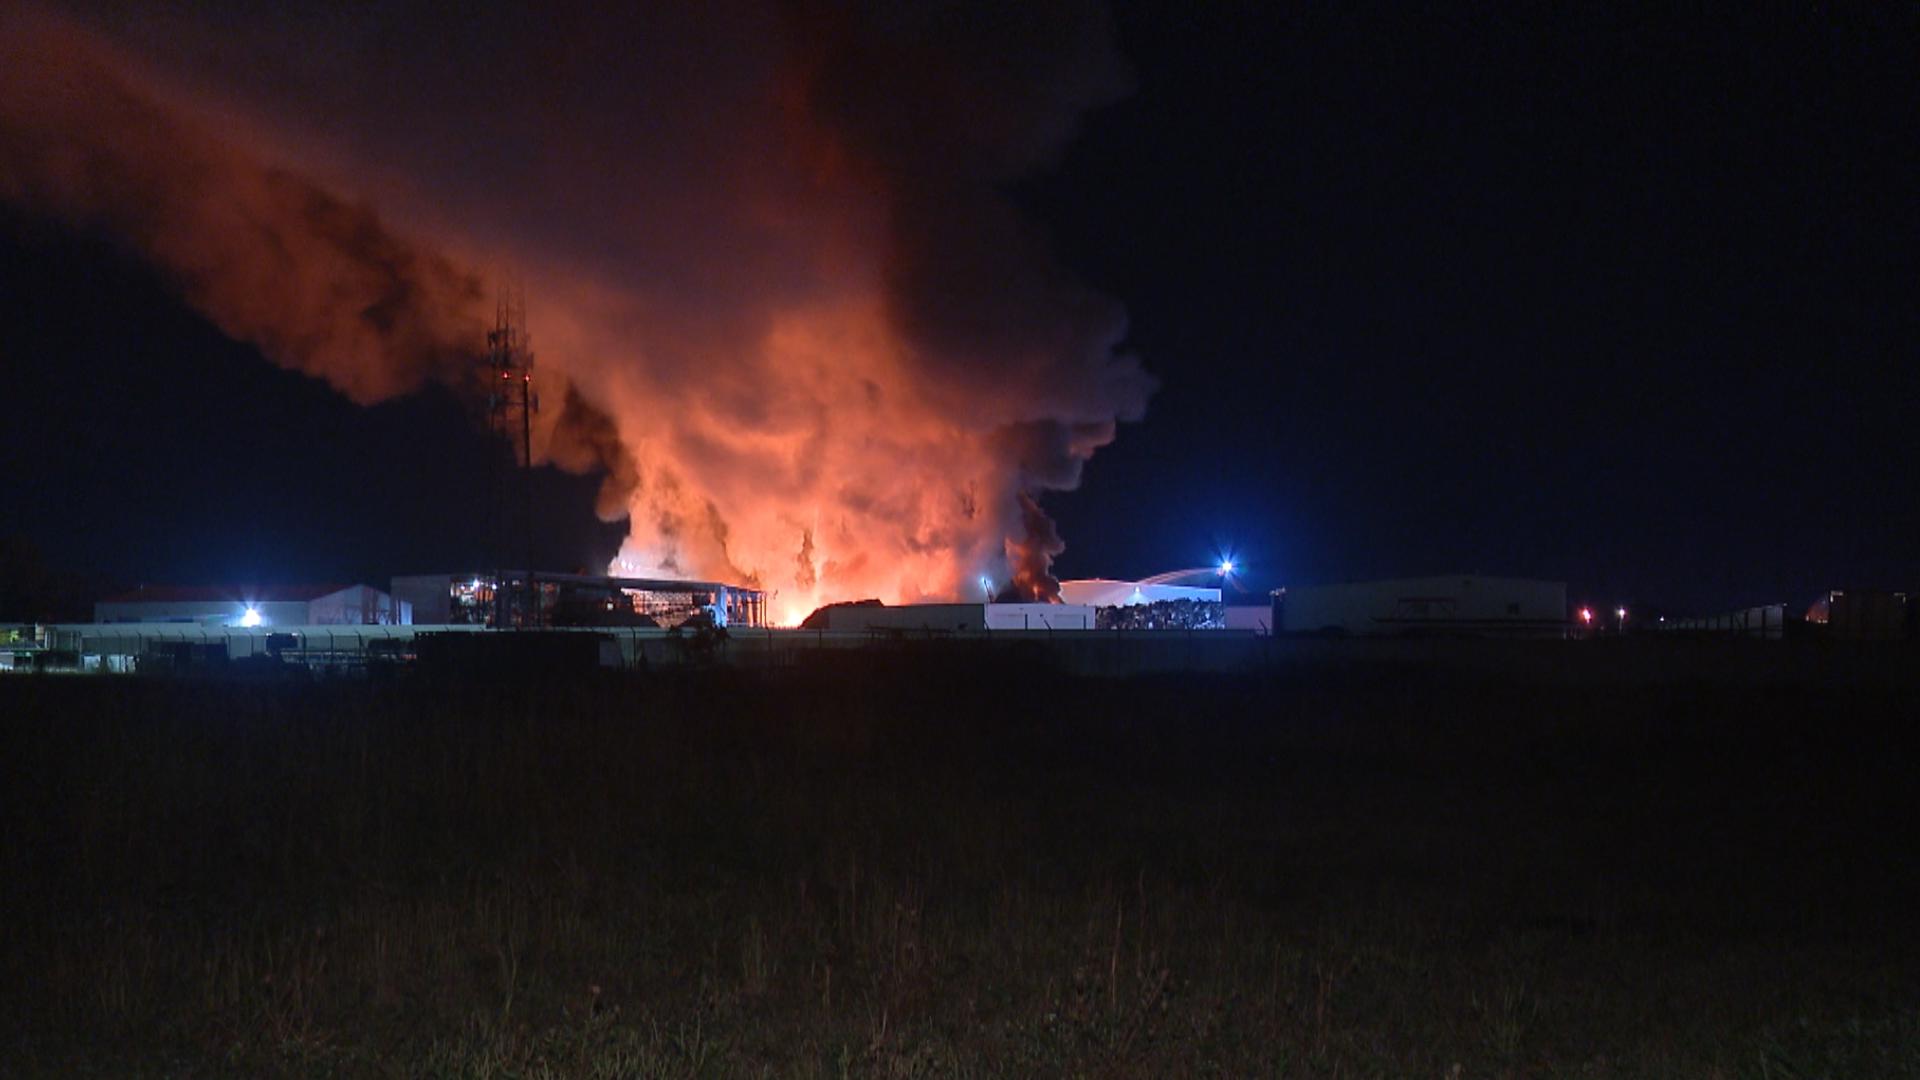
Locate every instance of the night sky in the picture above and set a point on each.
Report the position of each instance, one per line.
(1624, 300)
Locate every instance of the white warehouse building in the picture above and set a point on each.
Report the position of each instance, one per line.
(262, 605)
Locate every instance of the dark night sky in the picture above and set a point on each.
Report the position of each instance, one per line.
(1622, 302)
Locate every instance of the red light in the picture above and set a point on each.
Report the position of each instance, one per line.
(1586, 614)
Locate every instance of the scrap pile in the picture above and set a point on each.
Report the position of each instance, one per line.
(1163, 615)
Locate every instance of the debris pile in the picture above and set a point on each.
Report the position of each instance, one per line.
(1163, 615)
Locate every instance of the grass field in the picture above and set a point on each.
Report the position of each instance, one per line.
(902, 866)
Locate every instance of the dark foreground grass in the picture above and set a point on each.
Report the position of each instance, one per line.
(889, 867)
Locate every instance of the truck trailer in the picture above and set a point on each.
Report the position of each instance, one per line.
(1464, 605)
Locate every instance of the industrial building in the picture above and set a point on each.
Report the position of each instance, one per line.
(249, 606)
(503, 599)
(1463, 605)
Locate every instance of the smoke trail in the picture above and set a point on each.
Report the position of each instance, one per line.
(318, 283)
(779, 297)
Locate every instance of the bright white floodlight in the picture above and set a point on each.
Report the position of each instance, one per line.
(252, 617)
(1226, 566)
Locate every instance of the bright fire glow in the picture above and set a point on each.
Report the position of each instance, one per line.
(855, 487)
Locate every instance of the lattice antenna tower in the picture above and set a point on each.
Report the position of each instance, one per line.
(512, 403)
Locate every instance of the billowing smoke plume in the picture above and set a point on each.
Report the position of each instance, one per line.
(776, 291)
(320, 284)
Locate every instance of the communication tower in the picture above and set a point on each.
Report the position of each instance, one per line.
(511, 403)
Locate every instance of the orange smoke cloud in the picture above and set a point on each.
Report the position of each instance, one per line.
(777, 296)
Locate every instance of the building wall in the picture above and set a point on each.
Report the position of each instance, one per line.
(356, 605)
(335, 609)
(932, 618)
(1039, 617)
(959, 618)
(429, 596)
(1255, 617)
